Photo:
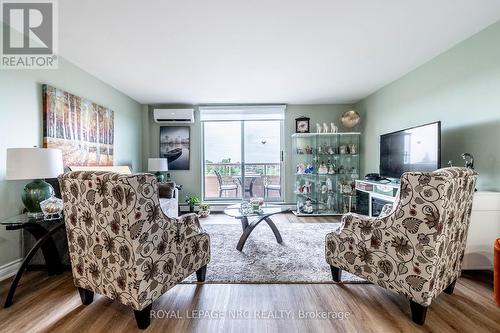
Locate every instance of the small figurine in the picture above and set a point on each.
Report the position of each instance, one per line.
(309, 169)
(318, 128)
(329, 185)
(325, 128)
(330, 150)
(353, 148)
(322, 170)
(334, 129)
(307, 187)
(346, 189)
(308, 207)
(324, 189)
(300, 169)
(331, 169)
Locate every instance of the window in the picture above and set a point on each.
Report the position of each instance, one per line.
(242, 152)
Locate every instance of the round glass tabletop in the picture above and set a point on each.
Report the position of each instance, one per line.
(266, 209)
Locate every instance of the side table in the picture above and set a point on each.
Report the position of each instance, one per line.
(42, 231)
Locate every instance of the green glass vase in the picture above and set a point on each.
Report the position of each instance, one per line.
(34, 193)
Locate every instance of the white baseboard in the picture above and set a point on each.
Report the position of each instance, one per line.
(10, 269)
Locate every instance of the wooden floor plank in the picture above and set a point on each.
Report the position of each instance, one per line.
(51, 304)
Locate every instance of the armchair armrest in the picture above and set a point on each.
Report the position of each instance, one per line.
(360, 225)
(188, 225)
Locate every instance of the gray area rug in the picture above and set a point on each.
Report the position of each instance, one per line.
(299, 259)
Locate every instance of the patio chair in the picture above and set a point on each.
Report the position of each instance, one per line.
(224, 187)
(270, 187)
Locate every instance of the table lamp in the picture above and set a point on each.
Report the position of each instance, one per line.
(37, 164)
(158, 165)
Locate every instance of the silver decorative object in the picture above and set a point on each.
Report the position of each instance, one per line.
(350, 119)
(469, 160)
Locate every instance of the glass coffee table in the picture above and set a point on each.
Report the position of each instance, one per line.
(266, 211)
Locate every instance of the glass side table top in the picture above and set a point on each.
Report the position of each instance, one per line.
(266, 209)
(22, 219)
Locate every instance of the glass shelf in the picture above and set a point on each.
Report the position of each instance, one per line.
(326, 193)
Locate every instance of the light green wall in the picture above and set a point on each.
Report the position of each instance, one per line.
(21, 126)
(318, 114)
(461, 87)
(191, 180)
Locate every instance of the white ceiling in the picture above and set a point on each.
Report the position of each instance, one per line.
(261, 51)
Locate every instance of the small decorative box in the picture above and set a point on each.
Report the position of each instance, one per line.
(52, 208)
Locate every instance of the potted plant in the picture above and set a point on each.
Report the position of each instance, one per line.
(191, 201)
(204, 210)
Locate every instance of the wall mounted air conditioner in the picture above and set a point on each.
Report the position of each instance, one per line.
(173, 116)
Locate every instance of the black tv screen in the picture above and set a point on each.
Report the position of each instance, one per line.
(412, 149)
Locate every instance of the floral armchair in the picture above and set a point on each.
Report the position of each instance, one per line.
(416, 248)
(122, 245)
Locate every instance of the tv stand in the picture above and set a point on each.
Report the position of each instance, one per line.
(372, 195)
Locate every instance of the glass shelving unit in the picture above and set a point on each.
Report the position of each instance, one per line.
(326, 166)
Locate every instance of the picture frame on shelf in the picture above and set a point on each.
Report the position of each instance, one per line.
(302, 125)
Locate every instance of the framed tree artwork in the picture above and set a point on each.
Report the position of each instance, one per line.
(82, 129)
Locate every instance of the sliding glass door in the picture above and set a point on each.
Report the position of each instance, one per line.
(242, 159)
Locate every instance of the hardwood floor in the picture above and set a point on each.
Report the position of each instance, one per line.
(52, 304)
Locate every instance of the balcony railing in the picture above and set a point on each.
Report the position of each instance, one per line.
(261, 180)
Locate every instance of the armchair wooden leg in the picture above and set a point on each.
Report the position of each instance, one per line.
(201, 274)
(87, 296)
(450, 288)
(418, 313)
(336, 273)
(143, 317)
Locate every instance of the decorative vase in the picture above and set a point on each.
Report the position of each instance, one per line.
(34, 193)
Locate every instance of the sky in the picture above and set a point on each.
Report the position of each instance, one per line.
(262, 141)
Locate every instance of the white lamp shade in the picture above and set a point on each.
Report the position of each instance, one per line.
(157, 164)
(34, 163)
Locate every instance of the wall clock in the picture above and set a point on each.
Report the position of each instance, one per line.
(302, 125)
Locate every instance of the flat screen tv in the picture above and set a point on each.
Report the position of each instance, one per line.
(412, 149)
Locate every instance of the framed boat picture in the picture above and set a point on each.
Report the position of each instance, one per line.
(175, 146)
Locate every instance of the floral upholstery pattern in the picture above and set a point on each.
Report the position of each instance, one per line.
(121, 244)
(416, 248)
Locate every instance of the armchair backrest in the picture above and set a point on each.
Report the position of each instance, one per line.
(433, 211)
(109, 218)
